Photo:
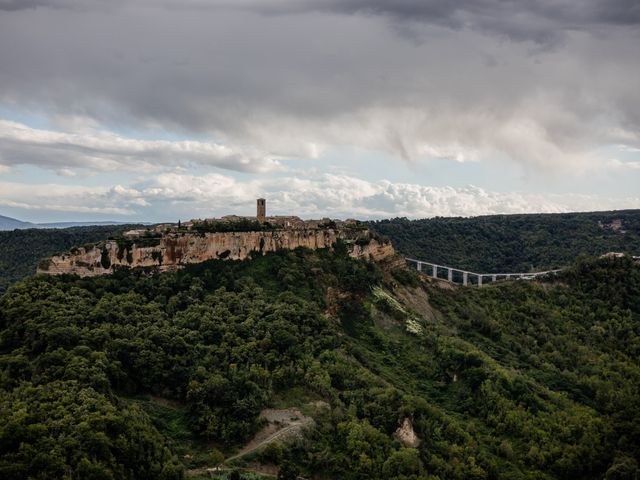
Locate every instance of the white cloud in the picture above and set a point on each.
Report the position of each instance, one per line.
(64, 198)
(66, 172)
(617, 164)
(184, 195)
(105, 151)
(343, 196)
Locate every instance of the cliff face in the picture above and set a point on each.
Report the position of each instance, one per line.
(173, 250)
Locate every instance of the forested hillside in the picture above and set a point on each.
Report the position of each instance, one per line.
(514, 243)
(21, 250)
(148, 376)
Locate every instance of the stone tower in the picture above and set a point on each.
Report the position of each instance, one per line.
(262, 210)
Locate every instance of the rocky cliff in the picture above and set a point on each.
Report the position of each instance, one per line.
(173, 250)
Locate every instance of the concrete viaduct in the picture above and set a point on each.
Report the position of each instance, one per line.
(455, 275)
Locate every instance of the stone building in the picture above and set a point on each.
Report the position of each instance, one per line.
(262, 210)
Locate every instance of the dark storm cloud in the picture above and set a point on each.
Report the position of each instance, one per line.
(13, 5)
(17, 5)
(535, 20)
(291, 77)
(570, 13)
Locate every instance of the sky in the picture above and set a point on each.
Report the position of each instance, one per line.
(159, 110)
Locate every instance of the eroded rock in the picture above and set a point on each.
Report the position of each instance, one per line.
(173, 250)
(406, 435)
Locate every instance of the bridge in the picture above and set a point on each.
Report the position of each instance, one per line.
(465, 277)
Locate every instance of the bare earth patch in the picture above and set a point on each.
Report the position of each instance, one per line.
(283, 425)
(418, 300)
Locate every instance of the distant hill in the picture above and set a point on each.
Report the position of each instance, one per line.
(8, 223)
(514, 243)
(75, 224)
(22, 249)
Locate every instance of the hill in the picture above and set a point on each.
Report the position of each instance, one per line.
(138, 376)
(76, 224)
(514, 243)
(21, 250)
(8, 223)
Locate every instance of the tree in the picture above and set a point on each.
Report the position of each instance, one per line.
(288, 471)
(403, 462)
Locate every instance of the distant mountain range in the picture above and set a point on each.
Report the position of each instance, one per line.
(8, 223)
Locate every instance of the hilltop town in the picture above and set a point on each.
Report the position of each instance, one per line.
(243, 223)
(169, 246)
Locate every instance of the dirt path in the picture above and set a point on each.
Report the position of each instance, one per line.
(282, 424)
(207, 470)
(280, 433)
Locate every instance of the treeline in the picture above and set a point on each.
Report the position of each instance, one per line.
(21, 250)
(514, 243)
(236, 225)
(514, 381)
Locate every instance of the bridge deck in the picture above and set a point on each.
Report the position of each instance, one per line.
(436, 269)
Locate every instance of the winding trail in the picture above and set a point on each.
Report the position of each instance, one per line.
(282, 424)
(272, 438)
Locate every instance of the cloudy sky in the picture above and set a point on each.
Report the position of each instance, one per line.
(163, 109)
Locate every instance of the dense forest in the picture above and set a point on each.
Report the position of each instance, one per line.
(514, 243)
(21, 250)
(148, 376)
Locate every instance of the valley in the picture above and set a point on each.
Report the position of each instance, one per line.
(315, 363)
